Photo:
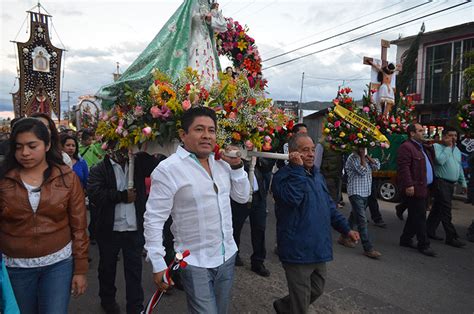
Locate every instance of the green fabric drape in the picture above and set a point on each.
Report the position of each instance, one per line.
(167, 52)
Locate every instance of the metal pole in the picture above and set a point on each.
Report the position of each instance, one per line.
(300, 109)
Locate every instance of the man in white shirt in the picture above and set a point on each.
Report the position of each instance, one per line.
(195, 189)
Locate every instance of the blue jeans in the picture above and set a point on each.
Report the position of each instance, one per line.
(208, 290)
(358, 216)
(43, 289)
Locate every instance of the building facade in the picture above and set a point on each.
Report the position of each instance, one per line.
(438, 83)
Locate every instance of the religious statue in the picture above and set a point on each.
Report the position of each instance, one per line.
(40, 61)
(186, 40)
(385, 97)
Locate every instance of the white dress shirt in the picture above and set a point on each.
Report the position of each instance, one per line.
(199, 205)
(125, 213)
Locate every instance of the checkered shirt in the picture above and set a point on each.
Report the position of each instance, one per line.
(359, 178)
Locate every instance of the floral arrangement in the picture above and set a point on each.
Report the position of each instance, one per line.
(465, 118)
(342, 135)
(398, 120)
(244, 115)
(88, 119)
(240, 48)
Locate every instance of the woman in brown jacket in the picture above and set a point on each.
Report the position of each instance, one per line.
(42, 222)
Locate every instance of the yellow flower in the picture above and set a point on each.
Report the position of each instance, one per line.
(330, 115)
(359, 135)
(460, 118)
(342, 134)
(242, 45)
(326, 130)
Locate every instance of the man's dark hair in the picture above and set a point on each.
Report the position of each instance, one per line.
(448, 129)
(293, 143)
(297, 127)
(188, 117)
(411, 128)
(86, 134)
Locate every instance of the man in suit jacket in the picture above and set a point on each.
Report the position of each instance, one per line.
(415, 175)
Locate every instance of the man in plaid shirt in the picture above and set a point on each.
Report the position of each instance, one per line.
(359, 167)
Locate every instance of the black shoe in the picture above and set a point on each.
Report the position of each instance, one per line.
(456, 243)
(260, 270)
(410, 245)
(435, 237)
(238, 261)
(428, 252)
(399, 212)
(380, 224)
(110, 308)
(275, 307)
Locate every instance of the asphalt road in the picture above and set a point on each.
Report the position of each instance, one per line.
(402, 281)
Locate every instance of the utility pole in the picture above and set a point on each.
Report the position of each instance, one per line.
(68, 92)
(300, 109)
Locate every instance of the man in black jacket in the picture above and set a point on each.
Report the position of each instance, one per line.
(120, 224)
(257, 211)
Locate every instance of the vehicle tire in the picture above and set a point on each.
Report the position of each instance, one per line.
(388, 191)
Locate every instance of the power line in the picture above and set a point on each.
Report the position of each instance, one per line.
(345, 32)
(330, 29)
(368, 35)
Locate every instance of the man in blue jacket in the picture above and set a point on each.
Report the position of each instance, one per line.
(305, 212)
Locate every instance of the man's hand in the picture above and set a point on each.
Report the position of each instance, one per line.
(131, 195)
(295, 158)
(410, 191)
(354, 236)
(78, 285)
(232, 161)
(158, 279)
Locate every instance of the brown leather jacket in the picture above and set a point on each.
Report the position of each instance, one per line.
(60, 218)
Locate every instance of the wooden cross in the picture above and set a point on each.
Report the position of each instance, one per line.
(384, 44)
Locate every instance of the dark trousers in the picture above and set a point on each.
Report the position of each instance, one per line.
(305, 285)
(92, 223)
(131, 243)
(257, 213)
(373, 205)
(416, 222)
(441, 210)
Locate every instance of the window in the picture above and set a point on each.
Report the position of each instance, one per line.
(445, 64)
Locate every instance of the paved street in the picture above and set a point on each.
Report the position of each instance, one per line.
(401, 281)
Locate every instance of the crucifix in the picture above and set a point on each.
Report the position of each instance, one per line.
(383, 80)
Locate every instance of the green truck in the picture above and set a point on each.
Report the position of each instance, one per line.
(386, 177)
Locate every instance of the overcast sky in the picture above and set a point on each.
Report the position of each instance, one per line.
(99, 33)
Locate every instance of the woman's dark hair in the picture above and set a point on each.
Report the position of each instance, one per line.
(63, 139)
(35, 126)
(188, 117)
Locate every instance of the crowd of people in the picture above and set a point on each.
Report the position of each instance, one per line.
(197, 200)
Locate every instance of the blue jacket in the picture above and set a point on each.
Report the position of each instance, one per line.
(305, 213)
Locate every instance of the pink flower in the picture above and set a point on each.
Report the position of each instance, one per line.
(104, 116)
(337, 124)
(146, 131)
(104, 146)
(155, 111)
(366, 109)
(267, 139)
(186, 105)
(464, 125)
(232, 115)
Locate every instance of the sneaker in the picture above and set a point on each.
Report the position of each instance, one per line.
(456, 243)
(428, 252)
(346, 242)
(373, 254)
(238, 261)
(260, 269)
(380, 224)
